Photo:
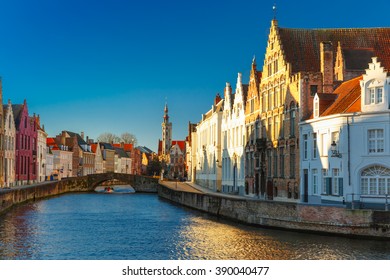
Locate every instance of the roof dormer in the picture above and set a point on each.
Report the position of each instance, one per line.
(375, 88)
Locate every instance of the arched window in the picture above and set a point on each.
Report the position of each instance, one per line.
(375, 180)
(292, 119)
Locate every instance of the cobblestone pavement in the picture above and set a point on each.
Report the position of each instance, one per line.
(180, 186)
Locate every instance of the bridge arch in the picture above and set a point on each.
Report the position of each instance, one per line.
(138, 182)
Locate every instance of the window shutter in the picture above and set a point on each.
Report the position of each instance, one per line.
(341, 187)
(328, 185)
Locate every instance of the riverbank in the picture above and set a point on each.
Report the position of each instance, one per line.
(21, 194)
(283, 215)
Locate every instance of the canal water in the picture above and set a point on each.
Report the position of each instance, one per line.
(143, 226)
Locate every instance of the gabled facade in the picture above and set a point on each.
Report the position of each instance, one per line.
(176, 165)
(62, 160)
(298, 64)
(108, 153)
(9, 145)
(26, 145)
(346, 149)
(207, 148)
(98, 158)
(41, 151)
(83, 157)
(233, 139)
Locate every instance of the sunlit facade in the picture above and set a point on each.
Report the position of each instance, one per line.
(345, 151)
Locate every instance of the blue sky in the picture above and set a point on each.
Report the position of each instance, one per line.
(109, 65)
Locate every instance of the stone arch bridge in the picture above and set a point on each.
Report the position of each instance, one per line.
(90, 182)
(138, 182)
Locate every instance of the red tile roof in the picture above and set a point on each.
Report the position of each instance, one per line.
(302, 46)
(181, 144)
(348, 99)
(127, 146)
(94, 147)
(51, 142)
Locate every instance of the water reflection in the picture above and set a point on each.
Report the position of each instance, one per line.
(93, 226)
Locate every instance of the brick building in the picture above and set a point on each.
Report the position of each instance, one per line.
(26, 145)
(298, 63)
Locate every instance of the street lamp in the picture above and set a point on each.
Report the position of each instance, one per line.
(335, 152)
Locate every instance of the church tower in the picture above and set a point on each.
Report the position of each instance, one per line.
(166, 132)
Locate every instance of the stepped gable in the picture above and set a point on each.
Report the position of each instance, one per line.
(301, 47)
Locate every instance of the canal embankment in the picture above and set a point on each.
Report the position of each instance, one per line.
(284, 215)
(21, 194)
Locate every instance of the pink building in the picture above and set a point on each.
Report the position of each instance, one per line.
(26, 145)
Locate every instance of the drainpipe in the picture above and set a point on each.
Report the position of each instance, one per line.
(349, 154)
(349, 162)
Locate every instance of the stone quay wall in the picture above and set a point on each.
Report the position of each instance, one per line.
(284, 215)
(17, 195)
(13, 196)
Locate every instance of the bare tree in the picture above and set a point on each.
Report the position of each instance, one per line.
(129, 138)
(108, 137)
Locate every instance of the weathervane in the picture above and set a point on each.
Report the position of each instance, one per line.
(274, 9)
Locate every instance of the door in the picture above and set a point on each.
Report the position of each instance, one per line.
(270, 190)
(305, 185)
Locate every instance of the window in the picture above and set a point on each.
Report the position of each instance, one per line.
(324, 144)
(276, 65)
(292, 120)
(275, 164)
(372, 95)
(292, 162)
(314, 145)
(375, 180)
(276, 126)
(269, 154)
(315, 181)
(281, 158)
(379, 95)
(270, 128)
(324, 179)
(335, 137)
(305, 146)
(375, 141)
(313, 90)
(375, 95)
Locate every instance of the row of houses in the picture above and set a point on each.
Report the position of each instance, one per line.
(28, 155)
(312, 126)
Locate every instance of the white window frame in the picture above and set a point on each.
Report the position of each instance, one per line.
(315, 144)
(314, 182)
(305, 147)
(376, 140)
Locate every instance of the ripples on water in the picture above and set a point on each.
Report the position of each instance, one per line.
(96, 226)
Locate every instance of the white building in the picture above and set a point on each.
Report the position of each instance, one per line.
(208, 161)
(345, 147)
(62, 162)
(98, 158)
(9, 145)
(233, 138)
(49, 164)
(41, 152)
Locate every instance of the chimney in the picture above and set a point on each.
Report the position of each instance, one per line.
(327, 67)
(63, 138)
(217, 99)
(82, 135)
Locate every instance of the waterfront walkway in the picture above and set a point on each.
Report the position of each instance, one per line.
(194, 188)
